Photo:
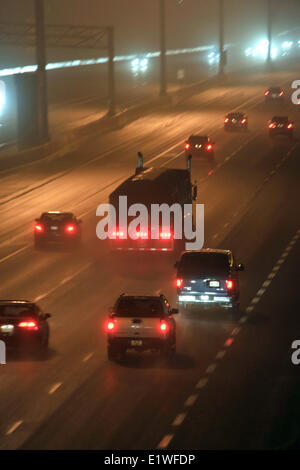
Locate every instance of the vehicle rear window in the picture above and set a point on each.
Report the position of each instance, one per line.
(16, 311)
(130, 307)
(58, 218)
(204, 263)
(198, 139)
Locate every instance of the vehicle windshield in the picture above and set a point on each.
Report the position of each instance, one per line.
(204, 263)
(16, 310)
(133, 307)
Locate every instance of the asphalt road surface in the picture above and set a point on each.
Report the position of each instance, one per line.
(231, 384)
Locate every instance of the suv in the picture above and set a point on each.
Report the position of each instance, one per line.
(235, 121)
(274, 93)
(280, 125)
(57, 227)
(23, 325)
(208, 278)
(141, 323)
(199, 146)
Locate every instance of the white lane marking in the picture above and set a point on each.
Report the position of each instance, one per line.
(211, 368)
(88, 357)
(260, 292)
(271, 276)
(202, 383)
(255, 300)
(179, 419)
(14, 427)
(54, 388)
(235, 331)
(221, 354)
(243, 320)
(190, 400)
(165, 441)
(249, 309)
(14, 253)
(266, 284)
(46, 294)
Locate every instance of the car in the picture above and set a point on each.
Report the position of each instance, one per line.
(24, 326)
(236, 120)
(274, 93)
(199, 146)
(208, 278)
(141, 323)
(55, 227)
(280, 125)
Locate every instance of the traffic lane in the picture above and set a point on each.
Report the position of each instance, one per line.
(247, 402)
(60, 177)
(129, 434)
(232, 409)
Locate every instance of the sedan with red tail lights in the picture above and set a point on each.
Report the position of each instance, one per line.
(55, 227)
(23, 326)
(199, 146)
(281, 126)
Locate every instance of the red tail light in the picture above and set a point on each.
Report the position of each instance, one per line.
(29, 325)
(179, 282)
(226, 120)
(267, 92)
(110, 325)
(290, 125)
(163, 326)
(70, 228)
(118, 234)
(187, 146)
(39, 228)
(243, 121)
(272, 125)
(229, 284)
(281, 93)
(209, 147)
(142, 234)
(165, 235)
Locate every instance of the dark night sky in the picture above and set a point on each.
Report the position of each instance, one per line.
(190, 23)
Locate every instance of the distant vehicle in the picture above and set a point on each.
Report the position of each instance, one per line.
(150, 186)
(208, 278)
(274, 94)
(141, 323)
(199, 146)
(55, 227)
(280, 125)
(235, 121)
(24, 326)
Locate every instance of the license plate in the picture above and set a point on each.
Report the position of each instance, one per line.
(136, 342)
(7, 329)
(214, 283)
(53, 227)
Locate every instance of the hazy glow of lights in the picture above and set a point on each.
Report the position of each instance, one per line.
(287, 44)
(99, 60)
(213, 58)
(2, 95)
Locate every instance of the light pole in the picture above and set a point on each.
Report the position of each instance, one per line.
(41, 70)
(269, 31)
(221, 38)
(163, 79)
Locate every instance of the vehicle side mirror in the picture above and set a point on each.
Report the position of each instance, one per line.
(37, 220)
(240, 267)
(47, 315)
(174, 311)
(79, 221)
(176, 264)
